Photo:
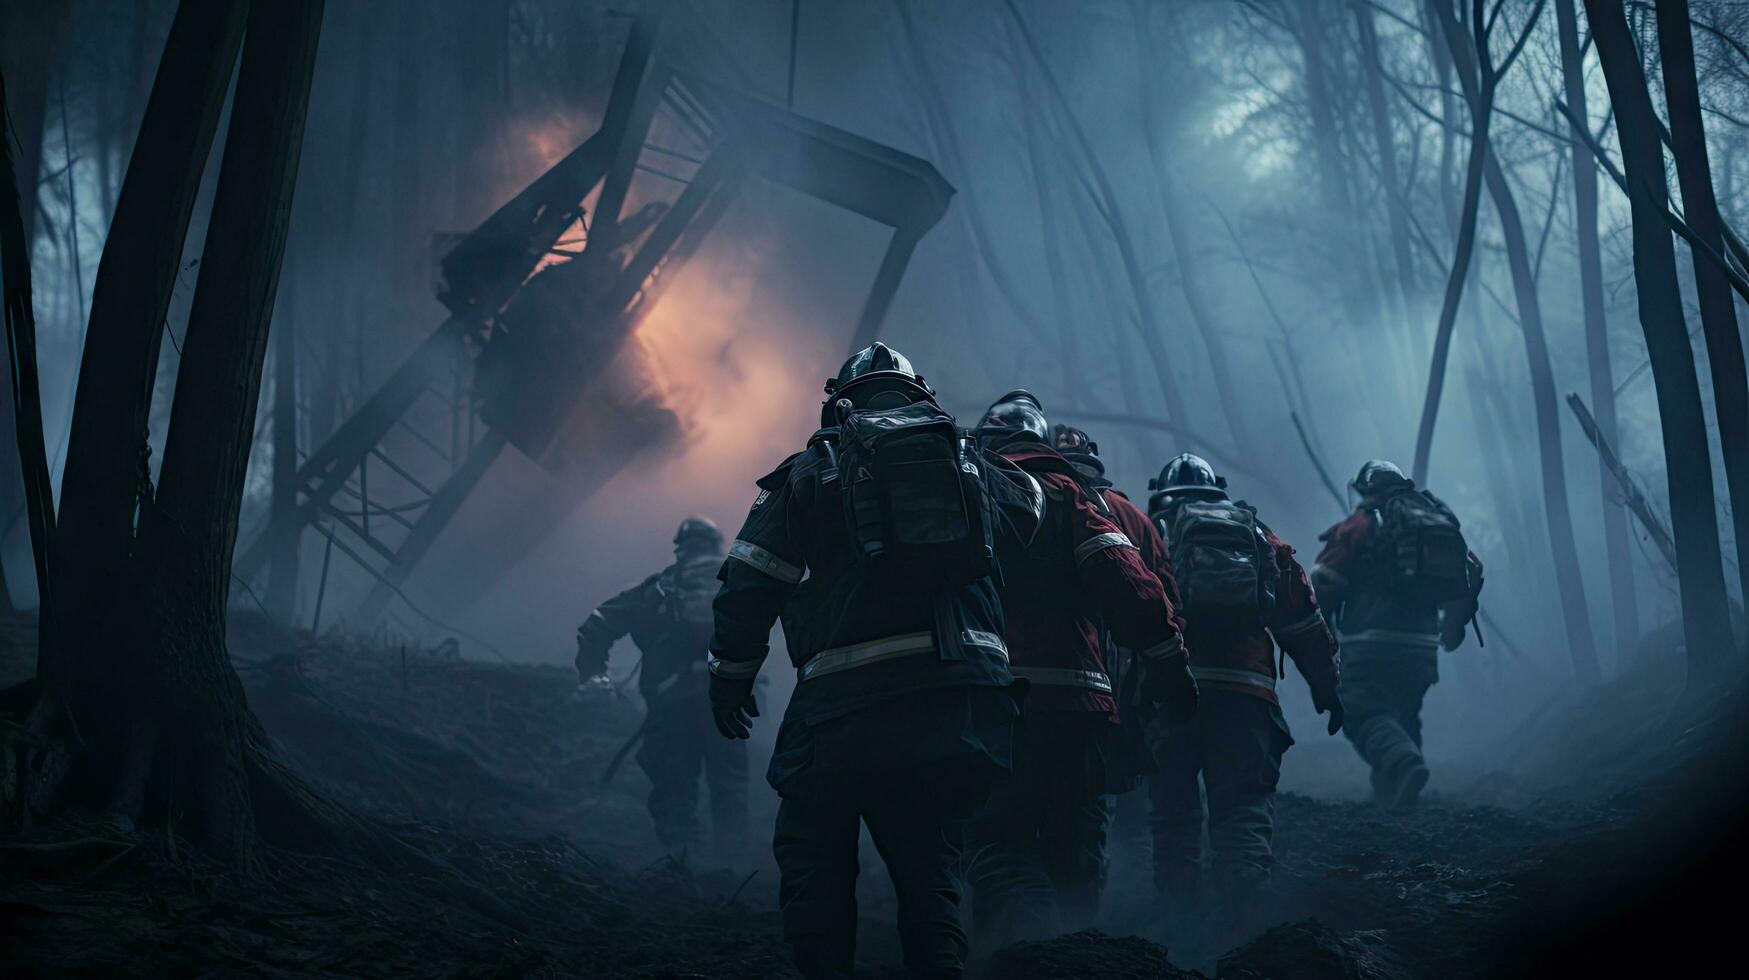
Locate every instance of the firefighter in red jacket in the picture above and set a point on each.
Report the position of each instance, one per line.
(1037, 849)
(1391, 631)
(1241, 586)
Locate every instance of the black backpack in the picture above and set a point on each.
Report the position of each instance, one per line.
(1220, 556)
(1421, 553)
(914, 496)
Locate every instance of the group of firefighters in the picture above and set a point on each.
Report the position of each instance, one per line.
(991, 643)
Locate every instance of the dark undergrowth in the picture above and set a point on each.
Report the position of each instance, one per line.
(528, 866)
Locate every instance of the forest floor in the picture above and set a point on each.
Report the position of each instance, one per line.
(494, 771)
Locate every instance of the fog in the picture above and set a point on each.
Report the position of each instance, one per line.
(1229, 148)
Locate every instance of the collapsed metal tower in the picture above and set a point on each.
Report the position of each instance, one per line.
(527, 338)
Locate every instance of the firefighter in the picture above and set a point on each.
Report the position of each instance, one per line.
(1400, 583)
(1134, 759)
(876, 547)
(1038, 848)
(668, 616)
(1241, 587)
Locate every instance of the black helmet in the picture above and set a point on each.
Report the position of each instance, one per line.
(1068, 439)
(698, 534)
(875, 377)
(1188, 473)
(1379, 476)
(1016, 416)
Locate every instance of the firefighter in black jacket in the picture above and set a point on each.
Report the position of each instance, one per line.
(668, 616)
(904, 706)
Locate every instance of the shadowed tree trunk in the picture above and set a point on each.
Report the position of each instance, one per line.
(1624, 603)
(25, 436)
(1688, 464)
(207, 756)
(1718, 308)
(152, 719)
(29, 40)
(1458, 41)
(1568, 578)
(105, 462)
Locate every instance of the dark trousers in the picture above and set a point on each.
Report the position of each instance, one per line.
(1382, 689)
(1038, 860)
(1235, 745)
(917, 819)
(679, 742)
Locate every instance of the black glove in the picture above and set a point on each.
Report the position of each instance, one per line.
(732, 706)
(1333, 704)
(1169, 683)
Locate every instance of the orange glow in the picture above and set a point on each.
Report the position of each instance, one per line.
(744, 377)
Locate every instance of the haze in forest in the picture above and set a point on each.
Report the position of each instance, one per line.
(1181, 224)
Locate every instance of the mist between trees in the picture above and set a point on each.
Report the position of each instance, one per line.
(1181, 224)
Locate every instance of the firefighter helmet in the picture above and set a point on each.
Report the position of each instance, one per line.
(1188, 473)
(875, 377)
(698, 534)
(1378, 476)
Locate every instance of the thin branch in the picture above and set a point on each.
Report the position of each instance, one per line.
(1518, 45)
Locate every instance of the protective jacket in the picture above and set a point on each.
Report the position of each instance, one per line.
(1367, 614)
(1081, 572)
(1232, 649)
(856, 640)
(666, 616)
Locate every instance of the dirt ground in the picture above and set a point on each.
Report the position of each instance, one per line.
(494, 772)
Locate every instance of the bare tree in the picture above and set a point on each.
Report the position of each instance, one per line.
(1385, 144)
(1569, 580)
(1486, 81)
(1623, 601)
(150, 718)
(1150, 327)
(1688, 464)
(1718, 309)
(106, 451)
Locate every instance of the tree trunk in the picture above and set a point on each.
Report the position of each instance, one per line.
(1568, 578)
(1688, 464)
(106, 450)
(204, 749)
(1718, 309)
(1624, 602)
(29, 459)
(1481, 109)
(1384, 140)
(28, 45)
(282, 568)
